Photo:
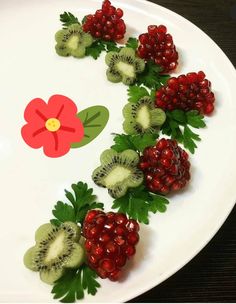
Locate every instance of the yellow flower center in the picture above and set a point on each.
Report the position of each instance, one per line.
(53, 124)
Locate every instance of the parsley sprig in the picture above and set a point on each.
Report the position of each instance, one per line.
(99, 46)
(68, 19)
(73, 284)
(138, 202)
(132, 43)
(80, 201)
(134, 142)
(151, 77)
(177, 125)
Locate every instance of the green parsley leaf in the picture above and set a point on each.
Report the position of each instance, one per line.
(138, 202)
(132, 43)
(136, 92)
(151, 76)
(177, 126)
(98, 46)
(73, 284)
(68, 19)
(133, 142)
(81, 201)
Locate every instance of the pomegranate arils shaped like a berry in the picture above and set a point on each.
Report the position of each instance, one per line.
(158, 45)
(106, 23)
(110, 241)
(187, 92)
(165, 166)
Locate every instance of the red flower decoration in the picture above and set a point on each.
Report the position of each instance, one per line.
(53, 126)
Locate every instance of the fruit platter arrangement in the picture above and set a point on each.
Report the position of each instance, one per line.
(146, 164)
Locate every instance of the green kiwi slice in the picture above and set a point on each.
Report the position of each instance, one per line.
(123, 66)
(118, 172)
(142, 117)
(56, 249)
(72, 41)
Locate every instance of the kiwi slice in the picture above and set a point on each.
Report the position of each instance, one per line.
(142, 117)
(56, 249)
(72, 41)
(124, 66)
(118, 172)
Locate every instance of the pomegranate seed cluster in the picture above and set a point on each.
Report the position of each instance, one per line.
(110, 241)
(187, 92)
(165, 166)
(158, 46)
(106, 23)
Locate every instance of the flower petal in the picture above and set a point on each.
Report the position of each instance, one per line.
(29, 259)
(56, 146)
(60, 106)
(36, 110)
(35, 134)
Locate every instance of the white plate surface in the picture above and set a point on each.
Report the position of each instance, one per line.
(31, 183)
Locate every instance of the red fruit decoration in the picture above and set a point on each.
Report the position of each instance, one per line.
(106, 23)
(165, 166)
(158, 46)
(110, 241)
(187, 92)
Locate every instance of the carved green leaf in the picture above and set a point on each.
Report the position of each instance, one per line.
(94, 120)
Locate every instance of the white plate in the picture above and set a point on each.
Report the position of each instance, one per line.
(31, 183)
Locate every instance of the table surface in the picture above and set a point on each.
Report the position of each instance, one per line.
(211, 275)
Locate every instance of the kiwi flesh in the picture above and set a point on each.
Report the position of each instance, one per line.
(142, 117)
(72, 41)
(56, 249)
(118, 172)
(124, 66)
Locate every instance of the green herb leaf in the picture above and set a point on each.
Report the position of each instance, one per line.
(132, 43)
(133, 142)
(74, 283)
(68, 19)
(99, 46)
(177, 126)
(94, 120)
(151, 76)
(138, 202)
(136, 92)
(81, 201)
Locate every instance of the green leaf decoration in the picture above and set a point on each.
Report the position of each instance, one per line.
(132, 43)
(135, 93)
(81, 200)
(94, 120)
(74, 283)
(134, 142)
(99, 46)
(138, 202)
(152, 77)
(177, 125)
(67, 19)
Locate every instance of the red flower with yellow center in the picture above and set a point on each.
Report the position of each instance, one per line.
(53, 125)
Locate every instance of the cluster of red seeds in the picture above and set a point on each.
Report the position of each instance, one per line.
(165, 166)
(187, 92)
(106, 23)
(110, 241)
(158, 46)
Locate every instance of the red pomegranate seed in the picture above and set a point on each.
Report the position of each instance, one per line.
(115, 275)
(108, 265)
(133, 238)
(120, 219)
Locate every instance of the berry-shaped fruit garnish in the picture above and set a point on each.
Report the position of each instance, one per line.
(124, 66)
(158, 45)
(72, 41)
(187, 92)
(56, 249)
(142, 117)
(106, 23)
(110, 242)
(118, 172)
(165, 166)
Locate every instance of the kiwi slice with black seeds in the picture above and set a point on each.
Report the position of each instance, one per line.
(118, 172)
(123, 66)
(56, 249)
(72, 41)
(142, 117)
